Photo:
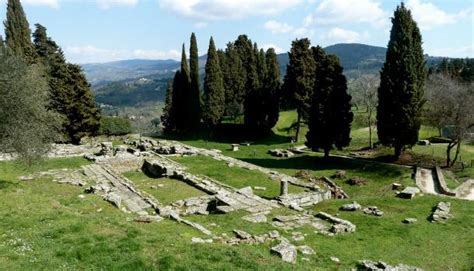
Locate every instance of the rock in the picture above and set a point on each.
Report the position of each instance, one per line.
(114, 199)
(148, 218)
(197, 240)
(339, 225)
(25, 178)
(255, 218)
(306, 250)
(106, 149)
(424, 142)
(354, 206)
(359, 181)
(373, 210)
(409, 192)
(409, 220)
(441, 212)
(376, 266)
(296, 207)
(335, 259)
(90, 157)
(396, 186)
(273, 234)
(242, 234)
(81, 196)
(246, 190)
(340, 174)
(281, 153)
(234, 147)
(286, 251)
(297, 236)
(261, 188)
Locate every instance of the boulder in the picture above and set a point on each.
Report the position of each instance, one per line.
(286, 251)
(354, 206)
(409, 220)
(340, 174)
(359, 181)
(281, 153)
(377, 266)
(242, 234)
(255, 218)
(373, 210)
(409, 192)
(306, 250)
(441, 212)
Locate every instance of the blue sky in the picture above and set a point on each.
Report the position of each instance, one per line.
(107, 30)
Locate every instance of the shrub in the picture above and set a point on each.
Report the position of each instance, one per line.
(115, 126)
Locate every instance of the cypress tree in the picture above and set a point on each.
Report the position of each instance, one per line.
(299, 80)
(194, 100)
(271, 91)
(175, 111)
(181, 103)
(401, 87)
(330, 115)
(234, 82)
(214, 96)
(70, 93)
(261, 66)
(18, 33)
(167, 116)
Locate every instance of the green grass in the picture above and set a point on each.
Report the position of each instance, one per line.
(234, 176)
(172, 190)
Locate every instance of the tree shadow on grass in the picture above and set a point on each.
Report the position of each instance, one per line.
(229, 133)
(6, 184)
(307, 162)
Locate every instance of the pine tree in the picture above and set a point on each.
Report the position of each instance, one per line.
(167, 115)
(18, 33)
(330, 115)
(401, 88)
(70, 93)
(194, 100)
(214, 96)
(299, 80)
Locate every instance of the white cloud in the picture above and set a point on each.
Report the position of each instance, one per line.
(277, 49)
(330, 12)
(337, 35)
(49, 3)
(206, 10)
(106, 4)
(429, 16)
(278, 27)
(92, 54)
(200, 25)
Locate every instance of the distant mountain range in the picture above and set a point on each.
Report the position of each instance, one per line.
(116, 83)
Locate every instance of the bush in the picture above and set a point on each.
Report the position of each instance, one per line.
(115, 126)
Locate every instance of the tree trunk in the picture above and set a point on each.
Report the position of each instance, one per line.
(298, 122)
(398, 152)
(458, 150)
(326, 153)
(448, 153)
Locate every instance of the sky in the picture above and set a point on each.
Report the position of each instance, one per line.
(95, 31)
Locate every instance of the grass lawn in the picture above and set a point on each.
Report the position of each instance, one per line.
(172, 190)
(234, 176)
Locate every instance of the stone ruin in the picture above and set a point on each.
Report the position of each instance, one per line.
(441, 212)
(104, 178)
(366, 265)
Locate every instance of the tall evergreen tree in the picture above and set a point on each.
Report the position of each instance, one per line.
(402, 80)
(299, 80)
(214, 96)
(2, 44)
(182, 92)
(167, 115)
(330, 115)
(271, 91)
(234, 82)
(70, 93)
(194, 100)
(18, 33)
